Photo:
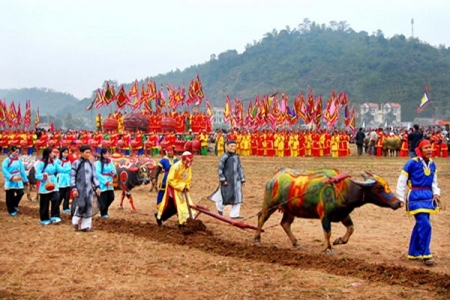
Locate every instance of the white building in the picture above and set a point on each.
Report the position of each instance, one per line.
(218, 113)
(376, 115)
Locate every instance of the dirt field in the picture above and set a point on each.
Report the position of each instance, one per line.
(129, 257)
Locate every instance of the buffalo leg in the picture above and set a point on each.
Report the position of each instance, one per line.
(348, 223)
(263, 216)
(130, 198)
(326, 226)
(121, 200)
(286, 223)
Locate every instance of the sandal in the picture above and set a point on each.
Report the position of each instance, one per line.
(428, 261)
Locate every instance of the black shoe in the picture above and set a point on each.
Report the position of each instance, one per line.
(88, 229)
(158, 221)
(220, 212)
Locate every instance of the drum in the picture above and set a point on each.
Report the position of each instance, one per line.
(196, 146)
(121, 144)
(93, 143)
(39, 144)
(107, 143)
(188, 146)
(136, 121)
(168, 124)
(135, 144)
(179, 146)
(164, 144)
(110, 124)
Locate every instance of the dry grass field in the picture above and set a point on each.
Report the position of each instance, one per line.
(129, 257)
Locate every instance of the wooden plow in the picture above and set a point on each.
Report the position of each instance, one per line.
(206, 211)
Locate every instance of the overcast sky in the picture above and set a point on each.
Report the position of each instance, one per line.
(73, 46)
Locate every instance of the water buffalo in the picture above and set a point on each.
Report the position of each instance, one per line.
(392, 145)
(131, 172)
(324, 194)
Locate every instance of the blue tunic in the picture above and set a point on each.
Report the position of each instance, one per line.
(13, 167)
(109, 171)
(63, 177)
(420, 181)
(51, 169)
(165, 164)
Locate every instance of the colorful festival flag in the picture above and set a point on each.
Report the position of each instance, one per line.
(426, 100)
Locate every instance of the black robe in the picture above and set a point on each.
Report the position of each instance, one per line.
(230, 170)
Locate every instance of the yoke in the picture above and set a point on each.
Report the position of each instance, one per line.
(336, 178)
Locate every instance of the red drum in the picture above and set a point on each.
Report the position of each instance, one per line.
(188, 146)
(13, 143)
(107, 143)
(65, 143)
(164, 144)
(93, 143)
(110, 124)
(135, 144)
(24, 143)
(39, 143)
(196, 146)
(148, 144)
(168, 124)
(136, 121)
(121, 143)
(179, 145)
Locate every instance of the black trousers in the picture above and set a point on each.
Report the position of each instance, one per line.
(104, 201)
(13, 197)
(44, 203)
(360, 149)
(64, 194)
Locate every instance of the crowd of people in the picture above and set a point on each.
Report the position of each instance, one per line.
(68, 173)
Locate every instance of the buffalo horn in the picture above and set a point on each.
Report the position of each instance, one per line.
(368, 183)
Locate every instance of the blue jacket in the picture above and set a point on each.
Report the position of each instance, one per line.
(13, 167)
(64, 168)
(51, 169)
(109, 171)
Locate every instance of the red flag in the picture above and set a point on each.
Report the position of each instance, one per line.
(108, 94)
(2, 112)
(27, 117)
(19, 116)
(37, 120)
(99, 99)
(122, 98)
(134, 91)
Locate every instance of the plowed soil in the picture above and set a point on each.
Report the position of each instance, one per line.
(129, 257)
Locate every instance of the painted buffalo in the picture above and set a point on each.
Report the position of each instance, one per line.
(324, 194)
(392, 145)
(132, 172)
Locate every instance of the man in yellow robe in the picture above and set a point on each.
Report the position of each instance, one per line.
(176, 199)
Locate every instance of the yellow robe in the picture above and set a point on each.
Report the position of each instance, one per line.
(174, 199)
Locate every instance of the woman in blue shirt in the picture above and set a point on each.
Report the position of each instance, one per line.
(105, 170)
(15, 178)
(46, 170)
(63, 177)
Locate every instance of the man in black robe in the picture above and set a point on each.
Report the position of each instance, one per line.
(231, 177)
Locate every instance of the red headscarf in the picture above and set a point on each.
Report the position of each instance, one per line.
(419, 147)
